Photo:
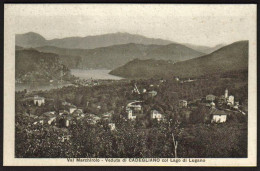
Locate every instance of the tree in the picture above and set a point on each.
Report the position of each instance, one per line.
(175, 132)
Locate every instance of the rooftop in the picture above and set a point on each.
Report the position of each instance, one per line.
(215, 111)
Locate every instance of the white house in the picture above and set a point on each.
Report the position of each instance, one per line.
(68, 121)
(72, 109)
(61, 112)
(112, 126)
(231, 100)
(218, 116)
(152, 93)
(107, 116)
(130, 114)
(39, 101)
(51, 119)
(236, 106)
(156, 115)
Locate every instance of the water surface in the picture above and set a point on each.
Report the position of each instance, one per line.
(99, 74)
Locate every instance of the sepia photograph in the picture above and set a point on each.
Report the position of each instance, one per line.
(130, 84)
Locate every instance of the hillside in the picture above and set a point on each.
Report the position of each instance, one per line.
(204, 49)
(31, 65)
(30, 39)
(229, 58)
(114, 56)
(175, 52)
(89, 42)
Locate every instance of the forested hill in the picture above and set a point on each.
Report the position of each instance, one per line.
(229, 58)
(114, 56)
(204, 49)
(31, 65)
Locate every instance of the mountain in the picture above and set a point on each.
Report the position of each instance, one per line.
(174, 51)
(204, 49)
(89, 42)
(31, 65)
(114, 56)
(30, 39)
(228, 58)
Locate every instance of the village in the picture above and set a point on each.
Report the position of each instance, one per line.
(218, 109)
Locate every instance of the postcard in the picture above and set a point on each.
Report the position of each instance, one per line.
(130, 85)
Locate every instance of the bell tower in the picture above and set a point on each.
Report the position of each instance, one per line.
(226, 93)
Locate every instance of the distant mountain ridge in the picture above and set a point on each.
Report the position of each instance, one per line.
(228, 58)
(33, 40)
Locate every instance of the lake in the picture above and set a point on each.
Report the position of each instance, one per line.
(100, 74)
(97, 74)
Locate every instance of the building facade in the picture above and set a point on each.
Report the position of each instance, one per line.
(156, 115)
(38, 101)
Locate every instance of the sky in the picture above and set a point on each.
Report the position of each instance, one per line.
(196, 24)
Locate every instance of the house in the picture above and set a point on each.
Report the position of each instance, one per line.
(230, 100)
(152, 93)
(92, 119)
(77, 112)
(51, 120)
(107, 115)
(72, 108)
(49, 113)
(41, 120)
(218, 116)
(135, 105)
(156, 115)
(133, 108)
(183, 103)
(130, 115)
(63, 112)
(210, 97)
(66, 103)
(68, 121)
(80, 109)
(38, 101)
(236, 105)
(112, 126)
(49, 117)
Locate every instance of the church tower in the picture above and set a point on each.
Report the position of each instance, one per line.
(226, 93)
